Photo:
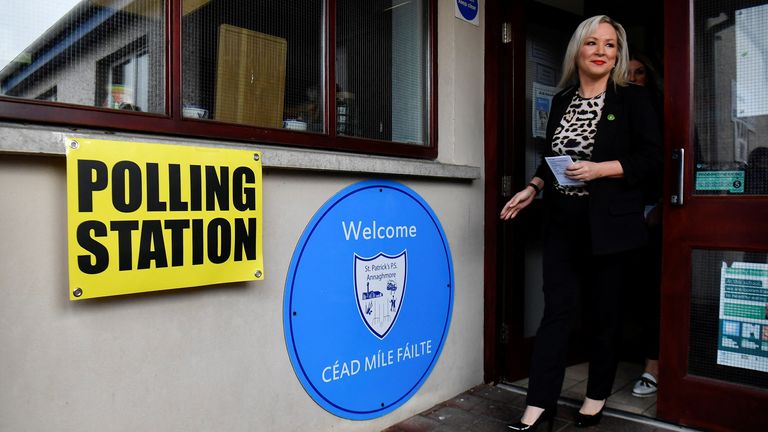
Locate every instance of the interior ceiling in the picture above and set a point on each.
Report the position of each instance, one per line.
(631, 12)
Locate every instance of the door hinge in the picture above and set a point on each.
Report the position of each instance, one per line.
(504, 333)
(506, 186)
(506, 32)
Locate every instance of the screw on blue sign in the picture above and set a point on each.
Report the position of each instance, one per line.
(468, 9)
(368, 299)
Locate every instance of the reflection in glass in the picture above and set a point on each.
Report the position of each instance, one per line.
(731, 98)
(97, 53)
(257, 63)
(123, 81)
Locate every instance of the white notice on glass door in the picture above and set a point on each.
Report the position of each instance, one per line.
(743, 333)
(751, 61)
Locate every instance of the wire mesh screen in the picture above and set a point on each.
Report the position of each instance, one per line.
(729, 316)
(257, 63)
(381, 69)
(96, 53)
(731, 98)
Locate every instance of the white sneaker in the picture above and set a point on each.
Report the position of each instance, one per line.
(645, 386)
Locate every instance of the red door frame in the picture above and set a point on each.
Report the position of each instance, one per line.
(504, 127)
(683, 398)
(492, 189)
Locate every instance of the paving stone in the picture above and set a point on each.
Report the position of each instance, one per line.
(499, 411)
(451, 428)
(578, 372)
(501, 395)
(618, 424)
(569, 383)
(627, 373)
(577, 391)
(650, 411)
(452, 416)
(485, 424)
(415, 424)
(466, 401)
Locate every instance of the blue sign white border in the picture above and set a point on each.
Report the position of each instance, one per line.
(359, 306)
(467, 10)
(301, 373)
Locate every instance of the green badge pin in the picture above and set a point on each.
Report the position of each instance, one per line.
(611, 117)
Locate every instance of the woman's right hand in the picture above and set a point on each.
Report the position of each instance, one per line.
(517, 203)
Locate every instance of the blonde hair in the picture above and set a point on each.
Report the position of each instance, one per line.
(586, 28)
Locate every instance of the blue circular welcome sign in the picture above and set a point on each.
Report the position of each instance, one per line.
(368, 299)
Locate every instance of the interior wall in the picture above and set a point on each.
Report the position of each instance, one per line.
(549, 26)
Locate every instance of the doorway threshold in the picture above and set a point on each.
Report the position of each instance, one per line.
(621, 405)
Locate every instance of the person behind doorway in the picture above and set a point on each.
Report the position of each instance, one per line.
(591, 231)
(642, 73)
(756, 173)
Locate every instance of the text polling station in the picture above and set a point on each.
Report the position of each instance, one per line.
(150, 217)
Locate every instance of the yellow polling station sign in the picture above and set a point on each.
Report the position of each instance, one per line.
(149, 217)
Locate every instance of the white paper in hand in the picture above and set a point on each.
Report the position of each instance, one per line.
(558, 164)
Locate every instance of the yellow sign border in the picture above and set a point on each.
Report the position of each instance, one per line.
(190, 223)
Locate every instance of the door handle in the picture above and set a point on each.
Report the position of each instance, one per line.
(678, 162)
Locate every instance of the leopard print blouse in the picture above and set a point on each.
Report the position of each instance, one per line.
(575, 135)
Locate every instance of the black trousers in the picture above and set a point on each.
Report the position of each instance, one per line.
(571, 273)
(649, 292)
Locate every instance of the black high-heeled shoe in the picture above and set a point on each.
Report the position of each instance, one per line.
(584, 420)
(548, 416)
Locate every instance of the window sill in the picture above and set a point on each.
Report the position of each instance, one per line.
(43, 140)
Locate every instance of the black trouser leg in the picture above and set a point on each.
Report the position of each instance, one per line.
(569, 268)
(651, 292)
(565, 247)
(550, 350)
(603, 298)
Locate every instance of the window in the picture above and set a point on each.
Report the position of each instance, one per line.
(256, 63)
(123, 80)
(341, 74)
(48, 95)
(381, 70)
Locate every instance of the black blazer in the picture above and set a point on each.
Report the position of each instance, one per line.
(628, 131)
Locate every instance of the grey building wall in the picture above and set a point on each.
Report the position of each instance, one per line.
(214, 358)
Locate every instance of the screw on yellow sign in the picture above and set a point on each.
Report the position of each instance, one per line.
(149, 217)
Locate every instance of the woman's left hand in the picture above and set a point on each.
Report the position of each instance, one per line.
(583, 171)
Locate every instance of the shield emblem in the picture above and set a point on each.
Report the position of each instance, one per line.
(379, 290)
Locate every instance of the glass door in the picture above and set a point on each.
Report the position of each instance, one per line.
(714, 340)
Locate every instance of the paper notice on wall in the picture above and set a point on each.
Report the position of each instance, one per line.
(751, 61)
(743, 333)
(542, 101)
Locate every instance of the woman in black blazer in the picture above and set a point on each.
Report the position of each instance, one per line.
(610, 130)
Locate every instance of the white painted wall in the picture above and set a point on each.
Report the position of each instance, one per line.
(214, 358)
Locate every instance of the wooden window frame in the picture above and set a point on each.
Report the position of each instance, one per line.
(173, 123)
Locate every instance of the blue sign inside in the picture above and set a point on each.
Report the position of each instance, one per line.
(368, 299)
(468, 9)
